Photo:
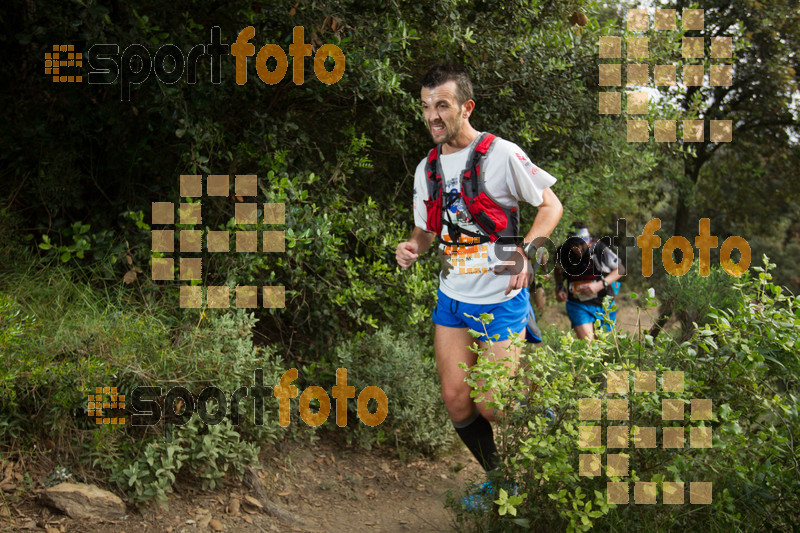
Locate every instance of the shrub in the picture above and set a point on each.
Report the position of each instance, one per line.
(97, 337)
(745, 360)
(692, 296)
(403, 366)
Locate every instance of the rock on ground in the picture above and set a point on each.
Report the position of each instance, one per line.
(79, 500)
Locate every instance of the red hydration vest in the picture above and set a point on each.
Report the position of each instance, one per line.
(494, 219)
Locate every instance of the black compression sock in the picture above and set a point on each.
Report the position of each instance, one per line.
(477, 434)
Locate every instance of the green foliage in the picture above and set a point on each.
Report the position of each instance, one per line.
(692, 296)
(744, 359)
(406, 371)
(152, 474)
(94, 339)
(213, 451)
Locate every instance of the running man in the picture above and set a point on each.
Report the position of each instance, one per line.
(466, 193)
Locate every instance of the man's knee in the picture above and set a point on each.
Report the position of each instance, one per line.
(487, 413)
(456, 399)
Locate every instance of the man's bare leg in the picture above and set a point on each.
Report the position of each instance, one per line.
(451, 346)
(499, 350)
(585, 331)
(471, 420)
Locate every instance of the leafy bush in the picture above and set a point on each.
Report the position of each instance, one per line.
(98, 338)
(402, 365)
(201, 451)
(745, 360)
(692, 296)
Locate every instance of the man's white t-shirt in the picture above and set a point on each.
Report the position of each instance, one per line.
(509, 178)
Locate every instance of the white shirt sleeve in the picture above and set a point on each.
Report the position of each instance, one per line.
(525, 180)
(420, 195)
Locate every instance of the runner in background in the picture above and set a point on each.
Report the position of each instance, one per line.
(586, 271)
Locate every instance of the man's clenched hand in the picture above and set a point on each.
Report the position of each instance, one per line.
(407, 253)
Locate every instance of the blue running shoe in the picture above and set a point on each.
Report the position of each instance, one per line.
(479, 500)
(483, 495)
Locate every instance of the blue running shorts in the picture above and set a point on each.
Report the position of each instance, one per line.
(509, 317)
(579, 313)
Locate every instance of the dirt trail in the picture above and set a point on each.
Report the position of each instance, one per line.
(325, 486)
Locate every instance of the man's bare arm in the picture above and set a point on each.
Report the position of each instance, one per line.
(548, 213)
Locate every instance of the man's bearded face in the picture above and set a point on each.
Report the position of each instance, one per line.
(443, 115)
